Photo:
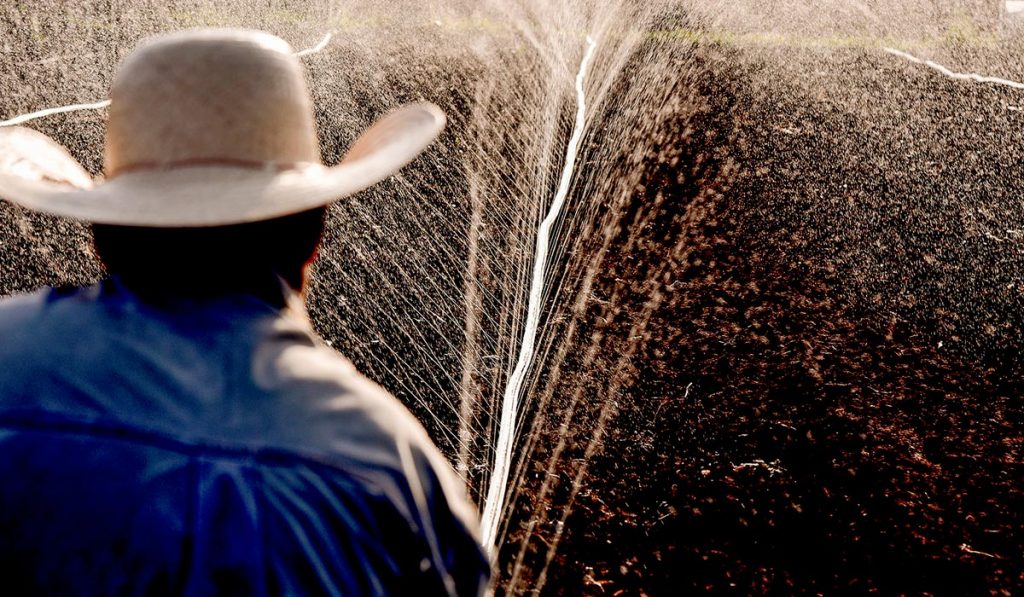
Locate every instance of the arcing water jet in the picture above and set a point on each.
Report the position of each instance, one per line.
(23, 118)
(495, 500)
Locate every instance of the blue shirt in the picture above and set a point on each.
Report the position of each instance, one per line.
(211, 447)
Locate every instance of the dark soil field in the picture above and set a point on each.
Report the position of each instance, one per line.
(829, 400)
(824, 260)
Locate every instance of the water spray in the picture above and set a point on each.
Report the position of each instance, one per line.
(105, 103)
(318, 47)
(494, 502)
(50, 111)
(954, 75)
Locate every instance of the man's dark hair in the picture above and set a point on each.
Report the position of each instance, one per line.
(202, 262)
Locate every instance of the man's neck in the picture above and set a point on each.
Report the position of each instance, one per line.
(268, 287)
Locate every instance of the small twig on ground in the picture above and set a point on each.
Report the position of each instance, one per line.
(967, 549)
(773, 467)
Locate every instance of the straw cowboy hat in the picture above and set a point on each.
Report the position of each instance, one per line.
(208, 128)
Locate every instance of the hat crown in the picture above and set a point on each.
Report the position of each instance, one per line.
(217, 96)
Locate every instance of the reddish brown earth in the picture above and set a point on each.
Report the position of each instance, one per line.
(828, 398)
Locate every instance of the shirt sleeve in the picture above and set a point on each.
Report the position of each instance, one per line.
(447, 521)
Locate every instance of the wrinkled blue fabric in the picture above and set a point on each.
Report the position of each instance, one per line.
(211, 447)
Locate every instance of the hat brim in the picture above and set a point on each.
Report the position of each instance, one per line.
(210, 195)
